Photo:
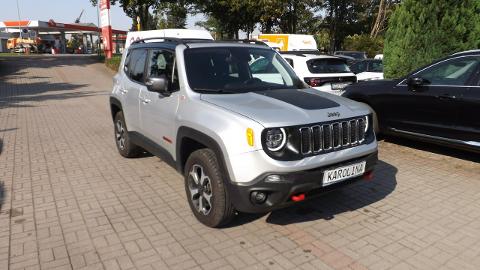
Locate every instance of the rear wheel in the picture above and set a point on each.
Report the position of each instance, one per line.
(205, 188)
(124, 145)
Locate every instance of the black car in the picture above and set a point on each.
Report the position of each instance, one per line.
(439, 102)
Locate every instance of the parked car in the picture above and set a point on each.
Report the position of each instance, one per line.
(439, 102)
(323, 72)
(355, 54)
(368, 69)
(246, 138)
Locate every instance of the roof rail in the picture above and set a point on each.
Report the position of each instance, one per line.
(248, 41)
(183, 41)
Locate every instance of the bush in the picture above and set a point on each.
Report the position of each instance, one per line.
(114, 62)
(421, 31)
(364, 43)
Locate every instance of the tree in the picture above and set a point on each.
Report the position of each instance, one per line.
(172, 14)
(345, 17)
(385, 8)
(365, 43)
(421, 31)
(140, 8)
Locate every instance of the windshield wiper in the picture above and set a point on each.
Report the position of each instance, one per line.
(216, 91)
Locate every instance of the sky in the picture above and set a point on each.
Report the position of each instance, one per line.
(66, 11)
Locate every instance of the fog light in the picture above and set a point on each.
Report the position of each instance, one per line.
(258, 197)
(368, 176)
(273, 178)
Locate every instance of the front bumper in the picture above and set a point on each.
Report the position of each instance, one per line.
(308, 182)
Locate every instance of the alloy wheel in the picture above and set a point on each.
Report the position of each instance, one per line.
(200, 188)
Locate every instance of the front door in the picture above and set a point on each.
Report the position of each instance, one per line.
(158, 112)
(131, 86)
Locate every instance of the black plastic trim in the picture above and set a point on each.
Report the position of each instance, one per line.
(302, 99)
(308, 182)
(152, 147)
(116, 102)
(293, 139)
(207, 141)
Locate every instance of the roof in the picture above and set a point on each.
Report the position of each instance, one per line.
(477, 51)
(194, 43)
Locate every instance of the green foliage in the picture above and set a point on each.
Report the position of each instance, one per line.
(421, 31)
(172, 14)
(114, 62)
(364, 43)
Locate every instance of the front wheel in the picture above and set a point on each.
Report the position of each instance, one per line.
(205, 188)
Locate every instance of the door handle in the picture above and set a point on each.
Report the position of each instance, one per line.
(123, 91)
(145, 100)
(447, 97)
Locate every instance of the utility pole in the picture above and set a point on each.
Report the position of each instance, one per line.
(19, 26)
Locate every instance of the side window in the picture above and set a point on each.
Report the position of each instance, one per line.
(289, 61)
(358, 67)
(136, 64)
(161, 63)
(375, 66)
(456, 71)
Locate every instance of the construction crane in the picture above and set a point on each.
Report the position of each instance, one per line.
(79, 16)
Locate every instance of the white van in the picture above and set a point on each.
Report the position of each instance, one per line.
(290, 42)
(172, 33)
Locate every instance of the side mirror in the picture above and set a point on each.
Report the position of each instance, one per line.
(158, 84)
(416, 82)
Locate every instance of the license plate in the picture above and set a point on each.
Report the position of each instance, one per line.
(343, 173)
(340, 86)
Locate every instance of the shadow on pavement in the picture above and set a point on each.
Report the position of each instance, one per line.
(434, 148)
(327, 206)
(17, 87)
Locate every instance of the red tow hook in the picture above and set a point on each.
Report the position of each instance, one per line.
(298, 198)
(368, 176)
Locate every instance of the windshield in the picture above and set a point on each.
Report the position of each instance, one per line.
(327, 65)
(238, 69)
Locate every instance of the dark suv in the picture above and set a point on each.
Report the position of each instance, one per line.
(439, 102)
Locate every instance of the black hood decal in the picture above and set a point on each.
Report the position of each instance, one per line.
(299, 98)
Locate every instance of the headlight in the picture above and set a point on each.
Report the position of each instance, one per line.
(275, 139)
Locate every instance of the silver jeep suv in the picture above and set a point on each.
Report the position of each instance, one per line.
(247, 135)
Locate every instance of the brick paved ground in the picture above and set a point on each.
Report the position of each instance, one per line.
(69, 201)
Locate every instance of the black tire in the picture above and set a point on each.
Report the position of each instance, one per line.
(221, 209)
(122, 140)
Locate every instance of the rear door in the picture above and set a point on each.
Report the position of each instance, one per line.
(131, 87)
(469, 101)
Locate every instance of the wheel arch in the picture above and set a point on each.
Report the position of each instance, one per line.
(115, 106)
(190, 140)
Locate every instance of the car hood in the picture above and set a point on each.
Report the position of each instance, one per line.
(288, 107)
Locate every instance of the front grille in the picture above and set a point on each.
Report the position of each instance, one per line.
(332, 136)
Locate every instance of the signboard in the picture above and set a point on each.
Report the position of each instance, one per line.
(106, 27)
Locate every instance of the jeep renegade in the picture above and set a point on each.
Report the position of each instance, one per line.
(247, 138)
